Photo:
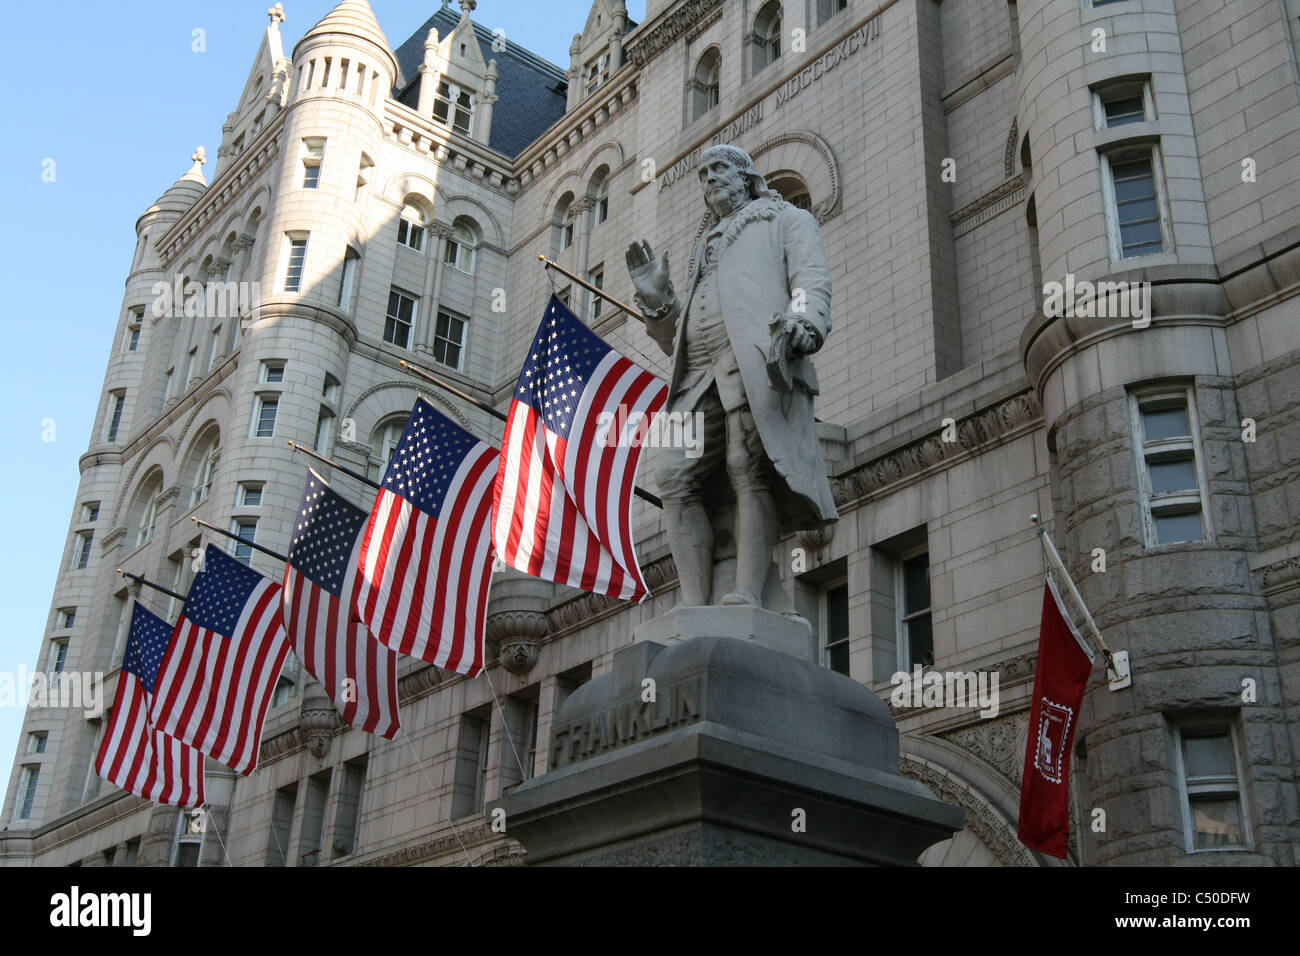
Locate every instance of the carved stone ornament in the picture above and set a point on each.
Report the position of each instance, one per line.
(316, 726)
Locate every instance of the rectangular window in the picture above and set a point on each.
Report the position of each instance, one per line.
(249, 495)
(264, 409)
(66, 617)
(409, 232)
(1134, 195)
(1169, 470)
(246, 529)
(133, 338)
(331, 389)
(58, 656)
(312, 155)
(324, 430)
(27, 791)
(449, 340)
(597, 278)
(348, 278)
(453, 106)
(400, 318)
(834, 627)
(1119, 104)
(116, 402)
(915, 639)
(272, 372)
(81, 550)
(313, 819)
(187, 841)
(36, 743)
(468, 790)
(460, 253)
(90, 511)
(1213, 812)
(214, 342)
(297, 255)
(134, 323)
(286, 687)
(828, 8)
(277, 841)
(347, 818)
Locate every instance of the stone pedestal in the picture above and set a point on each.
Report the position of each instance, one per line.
(744, 756)
(776, 632)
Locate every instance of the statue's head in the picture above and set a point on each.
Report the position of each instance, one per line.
(729, 179)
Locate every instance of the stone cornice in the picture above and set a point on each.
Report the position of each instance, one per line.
(996, 200)
(1279, 576)
(232, 183)
(677, 21)
(929, 454)
(460, 841)
(430, 138)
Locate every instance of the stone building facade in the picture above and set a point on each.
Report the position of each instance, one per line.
(391, 204)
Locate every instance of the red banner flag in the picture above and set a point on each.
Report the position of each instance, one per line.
(1064, 663)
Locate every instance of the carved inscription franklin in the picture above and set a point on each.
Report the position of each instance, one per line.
(624, 722)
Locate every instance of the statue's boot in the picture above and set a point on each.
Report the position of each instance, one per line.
(756, 534)
(690, 536)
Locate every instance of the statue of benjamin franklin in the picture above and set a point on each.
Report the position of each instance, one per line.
(756, 308)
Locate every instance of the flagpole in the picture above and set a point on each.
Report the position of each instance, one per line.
(630, 310)
(235, 537)
(147, 583)
(334, 464)
(1054, 558)
(502, 417)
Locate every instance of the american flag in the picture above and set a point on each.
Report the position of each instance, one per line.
(426, 557)
(320, 588)
(216, 678)
(562, 506)
(133, 755)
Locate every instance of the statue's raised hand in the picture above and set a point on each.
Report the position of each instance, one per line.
(649, 274)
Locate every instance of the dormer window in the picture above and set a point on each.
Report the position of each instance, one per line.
(596, 74)
(453, 106)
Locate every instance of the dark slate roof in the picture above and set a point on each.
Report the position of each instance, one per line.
(532, 91)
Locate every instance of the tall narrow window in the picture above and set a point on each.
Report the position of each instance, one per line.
(313, 153)
(835, 627)
(27, 791)
(400, 318)
(246, 530)
(469, 787)
(597, 278)
(116, 402)
(191, 368)
(324, 430)
(915, 637)
(1133, 185)
(705, 85)
(828, 8)
(134, 323)
(214, 343)
(765, 40)
(1213, 811)
(600, 211)
(148, 519)
(348, 279)
(347, 817)
(277, 841)
(264, 411)
(449, 340)
(293, 268)
(1169, 473)
(81, 549)
(382, 444)
(58, 656)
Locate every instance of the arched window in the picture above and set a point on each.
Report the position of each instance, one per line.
(562, 223)
(600, 202)
(202, 465)
(462, 245)
(146, 508)
(792, 189)
(410, 227)
(383, 441)
(705, 84)
(765, 40)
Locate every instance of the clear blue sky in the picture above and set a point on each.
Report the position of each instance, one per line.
(117, 97)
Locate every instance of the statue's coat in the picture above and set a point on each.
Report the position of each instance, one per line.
(770, 249)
